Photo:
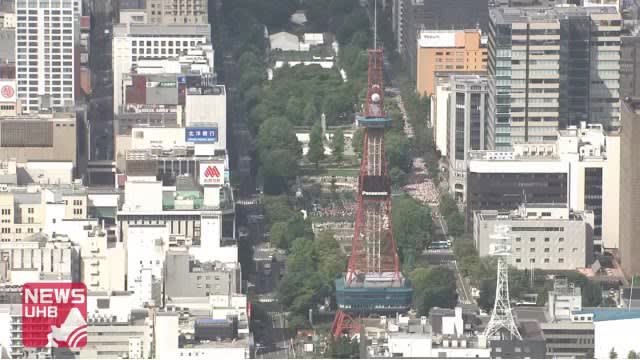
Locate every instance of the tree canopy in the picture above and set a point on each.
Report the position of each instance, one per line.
(411, 227)
(433, 287)
(278, 151)
(316, 145)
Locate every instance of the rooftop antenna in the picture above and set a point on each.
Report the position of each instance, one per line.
(501, 317)
(375, 24)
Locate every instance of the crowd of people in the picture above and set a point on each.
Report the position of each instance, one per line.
(421, 187)
(345, 209)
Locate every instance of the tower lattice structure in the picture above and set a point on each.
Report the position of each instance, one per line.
(374, 260)
(502, 320)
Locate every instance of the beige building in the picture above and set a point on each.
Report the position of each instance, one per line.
(26, 211)
(102, 265)
(450, 51)
(543, 236)
(630, 187)
(42, 137)
(177, 11)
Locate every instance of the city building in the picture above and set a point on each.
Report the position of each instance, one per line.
(630, 66)
(551, 65)
(198, 215)
(38, 258)
(116, 328)
(503, 181)
(102, 262)
(466, 126)
(589, 155)
(447, 50)
(411, 16)
(186, 277)
(543, 236)
(629, 187)
(39, 137)
(45, 64)
(177, 11)
(133, 42)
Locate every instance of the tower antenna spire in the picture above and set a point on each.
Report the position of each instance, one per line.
(375, 24)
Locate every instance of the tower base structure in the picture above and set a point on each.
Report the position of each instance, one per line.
(366, 295)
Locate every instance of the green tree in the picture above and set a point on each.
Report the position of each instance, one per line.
(316, 145)
(433, 287)
(310, 113)
(632, 355)
(613, 354)
(357, 142)
(396, 147)
(337, 145)
(277, 209)
(295, 110)
(342, 348)
(411, 227)
(398, 176)
(455, 224)
(279, 235)
(279, 152)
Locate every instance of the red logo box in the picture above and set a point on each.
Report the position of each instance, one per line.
(54, 314)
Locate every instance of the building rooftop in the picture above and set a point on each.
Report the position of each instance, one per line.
(444, 38)
(133, 5)
(507, 15)
(189, 30)
(609, 314)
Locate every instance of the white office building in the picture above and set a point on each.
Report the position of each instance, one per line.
(133, 42)
(45, 36)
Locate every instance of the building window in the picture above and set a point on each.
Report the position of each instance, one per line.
(574, 250)
(532, 249)
(29, 210)
(532, 239)
(546, 261)
(6, 211)
(532, 261)
(561, 239)
(518, 260)
(561, 260)
(518, 249)
(546, 239)
(546, 250)
(560, 249)
(518, 239)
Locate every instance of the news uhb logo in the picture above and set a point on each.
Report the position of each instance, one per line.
(54, 315)
(212, 171)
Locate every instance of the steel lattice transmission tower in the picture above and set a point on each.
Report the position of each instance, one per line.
(373, 283)
(502, 318)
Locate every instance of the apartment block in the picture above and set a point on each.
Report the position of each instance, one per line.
(543, 236)
(45, 36)
(447, 50)
(551, 67)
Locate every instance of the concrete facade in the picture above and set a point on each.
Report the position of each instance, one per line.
(467, 125)
(543, 236)
(630, 187)
(552, 65)
(447, 50)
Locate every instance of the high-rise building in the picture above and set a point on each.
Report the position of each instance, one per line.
(450, 51)
(630, 187)
(177, 11)
(467, 118)
(551, 67)
(45, 35)
(630, 66)
(410, 16)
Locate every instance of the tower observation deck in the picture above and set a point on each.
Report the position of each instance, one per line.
(373, 283)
